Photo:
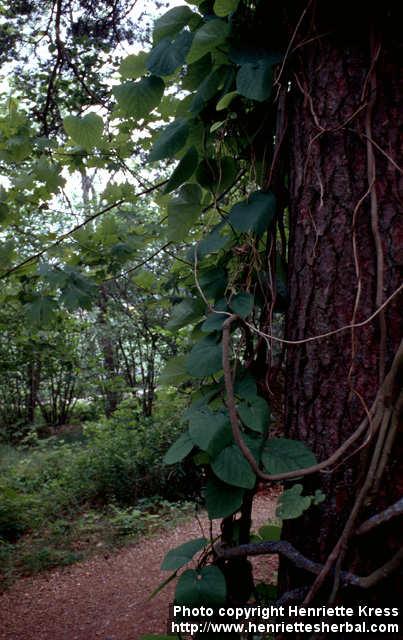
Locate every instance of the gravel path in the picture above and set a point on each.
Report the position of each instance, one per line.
(106, 598)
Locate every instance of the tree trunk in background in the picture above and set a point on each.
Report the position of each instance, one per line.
(329, 381)
(108, 352)
(33, 381)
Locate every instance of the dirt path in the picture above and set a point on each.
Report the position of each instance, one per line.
(105, 598)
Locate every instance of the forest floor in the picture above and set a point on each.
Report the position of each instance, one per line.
(107, 596)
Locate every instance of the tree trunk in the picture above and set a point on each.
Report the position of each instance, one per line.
(108, 352)
(343, 263)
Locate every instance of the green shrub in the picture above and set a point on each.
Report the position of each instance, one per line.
(119, 462)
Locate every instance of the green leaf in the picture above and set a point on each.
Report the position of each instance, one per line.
(208, 89)
(254, 80)
(170, 140)
(270, 532)
(205, 358)
(255, 414)
(183, 211)
(41, 310)
(246, 388)
(254, 214)
(212, 242)
(185, 312)
(174, 371)
(85, 132)
(133, 66)
(217, 175)
(168, 55)
(231, 467)
(223, 8)
(292, 504)
(209, 36)
(222, 499)
(282, 454)
(214, 322)
(183, 171)
(242, 304)
(204, 586)
(178, 557)
(172, 22)
(138, 99)
(196, 73)
(179, 449)
(213, 283)
(226, 100)
(210, 431)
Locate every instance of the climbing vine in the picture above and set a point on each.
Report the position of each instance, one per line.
(211, 97)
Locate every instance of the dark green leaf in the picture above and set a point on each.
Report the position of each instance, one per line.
(254, 80)
(170, 140)
(270, 532)
(213, 283)
(209, 36)
(222, 499)
(254, 214)
(174, 371)
(179, 449)
(207, 89)
(185, 312)
(231, 467)
(204, 586)
(214, 322)
(292, 504)
(183, 171)
(168, 55)
(41, 310)
(246, 388)
(224, 7)
(138, 99)
(282, 454)
(242, 304)
(178, 557)
(172, 22)
(183, 211)
(196, 73)
(210, 431)
(255, 414)
(217, 175)
(205, 358)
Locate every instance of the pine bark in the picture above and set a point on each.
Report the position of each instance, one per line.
(344, 85)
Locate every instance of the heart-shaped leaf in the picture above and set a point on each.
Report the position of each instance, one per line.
(138, 99)
(183, 171)
(207, 38)
(222, 499)
(179, 449)
(254, 214)
(231, 467)
(86, 131)
(283, 454)
(170, 140)
(211, 431)
(178, 557)
(168, 55)
(205, 358)
(204, 586)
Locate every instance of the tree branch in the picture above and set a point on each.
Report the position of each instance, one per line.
(393, 511)
(286, 550)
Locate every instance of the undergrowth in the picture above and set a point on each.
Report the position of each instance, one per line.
(62, 501)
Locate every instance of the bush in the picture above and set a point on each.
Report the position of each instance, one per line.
(119, 462)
